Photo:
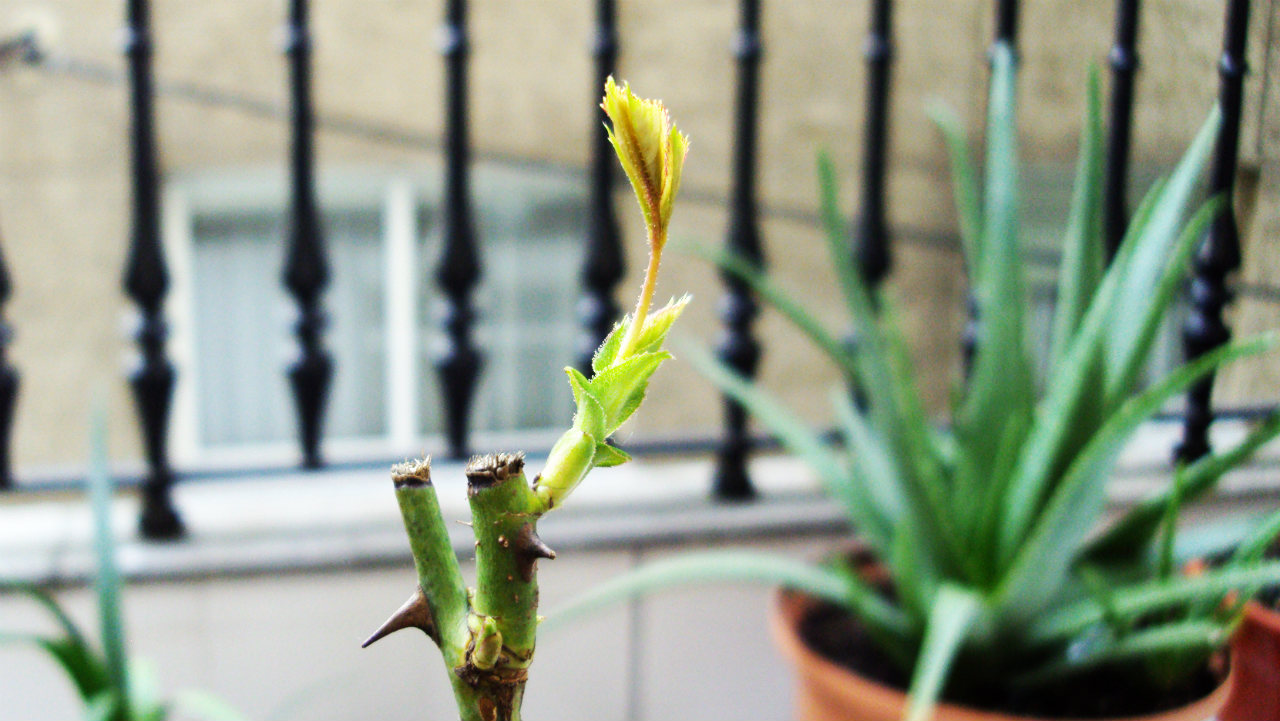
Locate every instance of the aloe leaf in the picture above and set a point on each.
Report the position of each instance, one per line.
(797, 437)
(108, 573)
(1001, 381)
(1071, 409)
(1082, 263)
(205, 706)
(783, 301)
(1257, 542)
(1141, 600)
(1195, 635)
(50, 604)
(736, 566)
(1164, 563)
(1167, 287)
(106, 706)
(953, 614)
(964, 184)
(857, 295)
(873, 376)
(1152, 249)
(1132, 534)
(875, 480)
(83, 668)
(1043, 561)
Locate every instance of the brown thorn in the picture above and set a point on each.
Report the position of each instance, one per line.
(529, 548)
(415, 613)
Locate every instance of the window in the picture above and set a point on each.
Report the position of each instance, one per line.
(232, 317)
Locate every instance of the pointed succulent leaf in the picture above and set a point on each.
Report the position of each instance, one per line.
(964, 184)
(607, 456)
(951, 619)
(1082, 263)
(1131, 536)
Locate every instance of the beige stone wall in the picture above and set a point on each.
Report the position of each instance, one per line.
(63, 191)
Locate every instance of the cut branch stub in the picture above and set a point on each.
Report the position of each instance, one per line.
(439, 578)
(504, 510)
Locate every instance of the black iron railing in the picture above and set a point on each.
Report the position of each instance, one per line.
(306, 271)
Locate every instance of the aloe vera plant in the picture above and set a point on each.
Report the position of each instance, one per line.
(112, 686)
(486, 633)
(991, 529)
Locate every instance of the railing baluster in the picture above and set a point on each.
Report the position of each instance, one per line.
(1219, 254)
(1124, 65)
(146, 281)
(1007, 22)
(459, 268)
(306, 270)
(871, 241)
(8, 383)
(604, 266)
(737, 347)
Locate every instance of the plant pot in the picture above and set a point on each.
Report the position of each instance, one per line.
(827, 691)
(1255, 663)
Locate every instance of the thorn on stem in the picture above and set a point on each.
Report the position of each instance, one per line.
(415, 613)
(529, 548)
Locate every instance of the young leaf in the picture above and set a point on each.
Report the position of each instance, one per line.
(607, 456)
(620, 388)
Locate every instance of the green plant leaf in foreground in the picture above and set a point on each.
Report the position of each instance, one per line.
(953, 614)
(737, 566)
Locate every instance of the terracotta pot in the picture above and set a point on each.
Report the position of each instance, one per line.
(829, 692)
(1255, 661)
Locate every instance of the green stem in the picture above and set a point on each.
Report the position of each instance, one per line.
(503, 623)
(657, 239)
(439, 577)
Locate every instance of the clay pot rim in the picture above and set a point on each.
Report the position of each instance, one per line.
(788, 607)
(1264, 616)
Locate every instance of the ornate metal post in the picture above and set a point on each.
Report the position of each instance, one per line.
(1219, 254)
(738, 309)
(871, 236)
(146, 281)
(604, 265)
(1124, 65)
(8, 384)
(306, 269)
(459, 268)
